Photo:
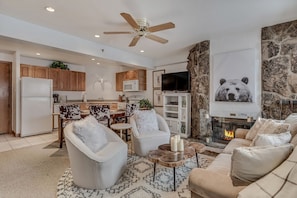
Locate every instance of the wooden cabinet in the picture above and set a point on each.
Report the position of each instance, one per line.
(54, 74)
(63, 80)
(139, 74)
(34, 71)
(81, 81)
(40, 72)
(77, 81)
(119, 81)
(27, 71)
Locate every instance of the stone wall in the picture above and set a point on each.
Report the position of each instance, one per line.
(198, 66)
(279, 70)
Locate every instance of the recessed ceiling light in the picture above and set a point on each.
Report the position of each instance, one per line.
(38, 54)
(50, 9)
(97, 35)
(141, 51)
(98, 63)
(93, 59)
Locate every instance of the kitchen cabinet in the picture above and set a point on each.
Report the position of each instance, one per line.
(54, 74)
(77, 81)
(40, 72)
(139, 74)
(81, 81)
(26, 71)
(34, 71)
(119, 81)
(63, 80)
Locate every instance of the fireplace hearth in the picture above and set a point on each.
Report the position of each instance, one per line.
(223, 129)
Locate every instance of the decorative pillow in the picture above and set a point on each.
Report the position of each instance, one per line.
(251, 134)
(90, 132)
(292, 120)
(146, 121)
(272, 127)
(273, 139)
(248, 164)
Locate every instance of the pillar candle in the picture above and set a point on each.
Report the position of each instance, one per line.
(173, 144)
(181, 145)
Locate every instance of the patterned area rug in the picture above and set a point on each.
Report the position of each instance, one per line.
(137, 181)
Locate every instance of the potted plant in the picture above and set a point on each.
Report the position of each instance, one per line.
(59, 64)
(145, 104)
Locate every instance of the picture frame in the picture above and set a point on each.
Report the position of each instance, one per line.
(157, 78)
(157, 98)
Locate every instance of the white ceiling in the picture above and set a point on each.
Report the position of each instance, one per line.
(195, 20)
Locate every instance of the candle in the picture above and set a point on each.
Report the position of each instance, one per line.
(181, 145)
(173, 144)
(177, 138)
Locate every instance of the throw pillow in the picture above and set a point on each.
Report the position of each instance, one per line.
(292, 120)
(251, 134)
(146, 121)
(90, 132)
(272, 127)
(273, 139)
(248, 164)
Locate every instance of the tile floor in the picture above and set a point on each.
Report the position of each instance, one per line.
(9, 142)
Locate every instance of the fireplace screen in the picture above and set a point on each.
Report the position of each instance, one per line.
(223, 129)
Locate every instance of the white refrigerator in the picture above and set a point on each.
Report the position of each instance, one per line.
(36, 106)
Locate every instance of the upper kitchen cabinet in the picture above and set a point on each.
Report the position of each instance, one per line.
(40, 72)
(54, 74)
(77, 81)
(27, 71)
(139, 74)
(63, 80)
(119, 81)
(81, 81)
(34, 71)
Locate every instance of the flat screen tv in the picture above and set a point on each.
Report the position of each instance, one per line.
(179, 81)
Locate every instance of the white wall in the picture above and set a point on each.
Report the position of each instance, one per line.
(237, 42)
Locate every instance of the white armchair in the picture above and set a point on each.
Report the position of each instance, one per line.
(96, 170)
(146, 141)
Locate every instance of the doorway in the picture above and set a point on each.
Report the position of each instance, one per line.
(5, 97)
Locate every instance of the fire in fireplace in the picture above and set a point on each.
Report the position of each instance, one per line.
(229, 134)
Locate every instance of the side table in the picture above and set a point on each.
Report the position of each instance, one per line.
(120, 127)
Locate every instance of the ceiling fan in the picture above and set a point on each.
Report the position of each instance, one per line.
(141, 28)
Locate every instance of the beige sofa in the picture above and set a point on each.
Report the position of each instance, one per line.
(215, 181)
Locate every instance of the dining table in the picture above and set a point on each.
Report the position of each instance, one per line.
(113, 114)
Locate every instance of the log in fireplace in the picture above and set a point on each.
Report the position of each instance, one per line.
(223, 129)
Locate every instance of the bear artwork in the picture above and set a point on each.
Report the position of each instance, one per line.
(234, 90)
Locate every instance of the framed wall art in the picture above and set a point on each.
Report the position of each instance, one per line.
(158, 98)
(157, 79)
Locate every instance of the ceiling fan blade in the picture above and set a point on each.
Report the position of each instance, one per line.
(156, 38)
(134, 41)
(118, 32)
(160, 27)
(130, 20)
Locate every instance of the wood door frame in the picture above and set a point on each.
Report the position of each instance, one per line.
(9, 96)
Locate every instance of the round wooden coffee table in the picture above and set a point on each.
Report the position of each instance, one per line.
(165, 157)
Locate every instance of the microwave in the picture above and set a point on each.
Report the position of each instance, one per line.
(130, 85)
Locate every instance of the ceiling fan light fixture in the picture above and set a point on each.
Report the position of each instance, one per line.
(50, 9)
